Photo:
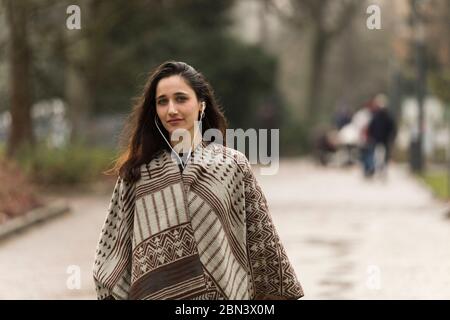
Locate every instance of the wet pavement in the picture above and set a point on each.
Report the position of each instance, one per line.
(348, 238)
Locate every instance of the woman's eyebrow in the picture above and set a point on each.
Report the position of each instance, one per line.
(180, 93)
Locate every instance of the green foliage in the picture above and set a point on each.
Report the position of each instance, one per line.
(72, 164)
(122, 41)
(243, 79)
(294, 137)
(2, 149)
(195, 31)
(440, 85)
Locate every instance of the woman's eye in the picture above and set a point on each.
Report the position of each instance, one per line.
(162, 102)
(181, 99)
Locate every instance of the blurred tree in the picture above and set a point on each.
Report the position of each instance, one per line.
(438, 40)
(194, 31)
(325, 20)
(439, 78)
(21, 131)
(98, 69)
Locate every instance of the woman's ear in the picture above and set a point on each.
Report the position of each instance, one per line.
(202, 110)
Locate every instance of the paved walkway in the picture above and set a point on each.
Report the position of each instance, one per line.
(354, 239)
(347, 238)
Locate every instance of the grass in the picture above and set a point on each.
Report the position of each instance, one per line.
(438, 182)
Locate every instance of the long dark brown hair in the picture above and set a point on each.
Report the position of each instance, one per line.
(140, 140)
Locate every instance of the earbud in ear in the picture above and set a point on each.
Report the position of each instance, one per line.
(202, 115)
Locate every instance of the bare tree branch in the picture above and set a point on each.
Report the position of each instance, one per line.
(327, 19)
(318, 12)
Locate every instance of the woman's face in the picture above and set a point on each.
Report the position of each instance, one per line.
(176, 104)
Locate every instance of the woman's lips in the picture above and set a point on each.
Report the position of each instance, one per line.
(175, 121)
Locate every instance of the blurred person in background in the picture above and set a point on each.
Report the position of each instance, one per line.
(381, 134)
(325, 145)
(346, 136)
(361, 121)
(342, 117)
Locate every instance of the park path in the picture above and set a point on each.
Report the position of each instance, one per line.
(347, 238)
(350, 238)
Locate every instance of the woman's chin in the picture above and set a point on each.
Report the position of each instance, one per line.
(178, 129)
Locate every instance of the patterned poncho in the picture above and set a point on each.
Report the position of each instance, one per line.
(203, 233)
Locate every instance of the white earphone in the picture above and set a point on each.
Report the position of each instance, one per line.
(203, 110)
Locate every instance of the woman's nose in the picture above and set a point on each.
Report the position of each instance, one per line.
(172, 108)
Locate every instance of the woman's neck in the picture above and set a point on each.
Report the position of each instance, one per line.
(184, 145)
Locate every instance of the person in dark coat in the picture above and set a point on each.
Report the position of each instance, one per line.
(382, 131)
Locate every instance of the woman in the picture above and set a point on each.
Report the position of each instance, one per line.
(190, 228)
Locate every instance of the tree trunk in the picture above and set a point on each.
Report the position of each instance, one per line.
(78, 100)
(315, 79)
(78, 86)
(21, 130)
